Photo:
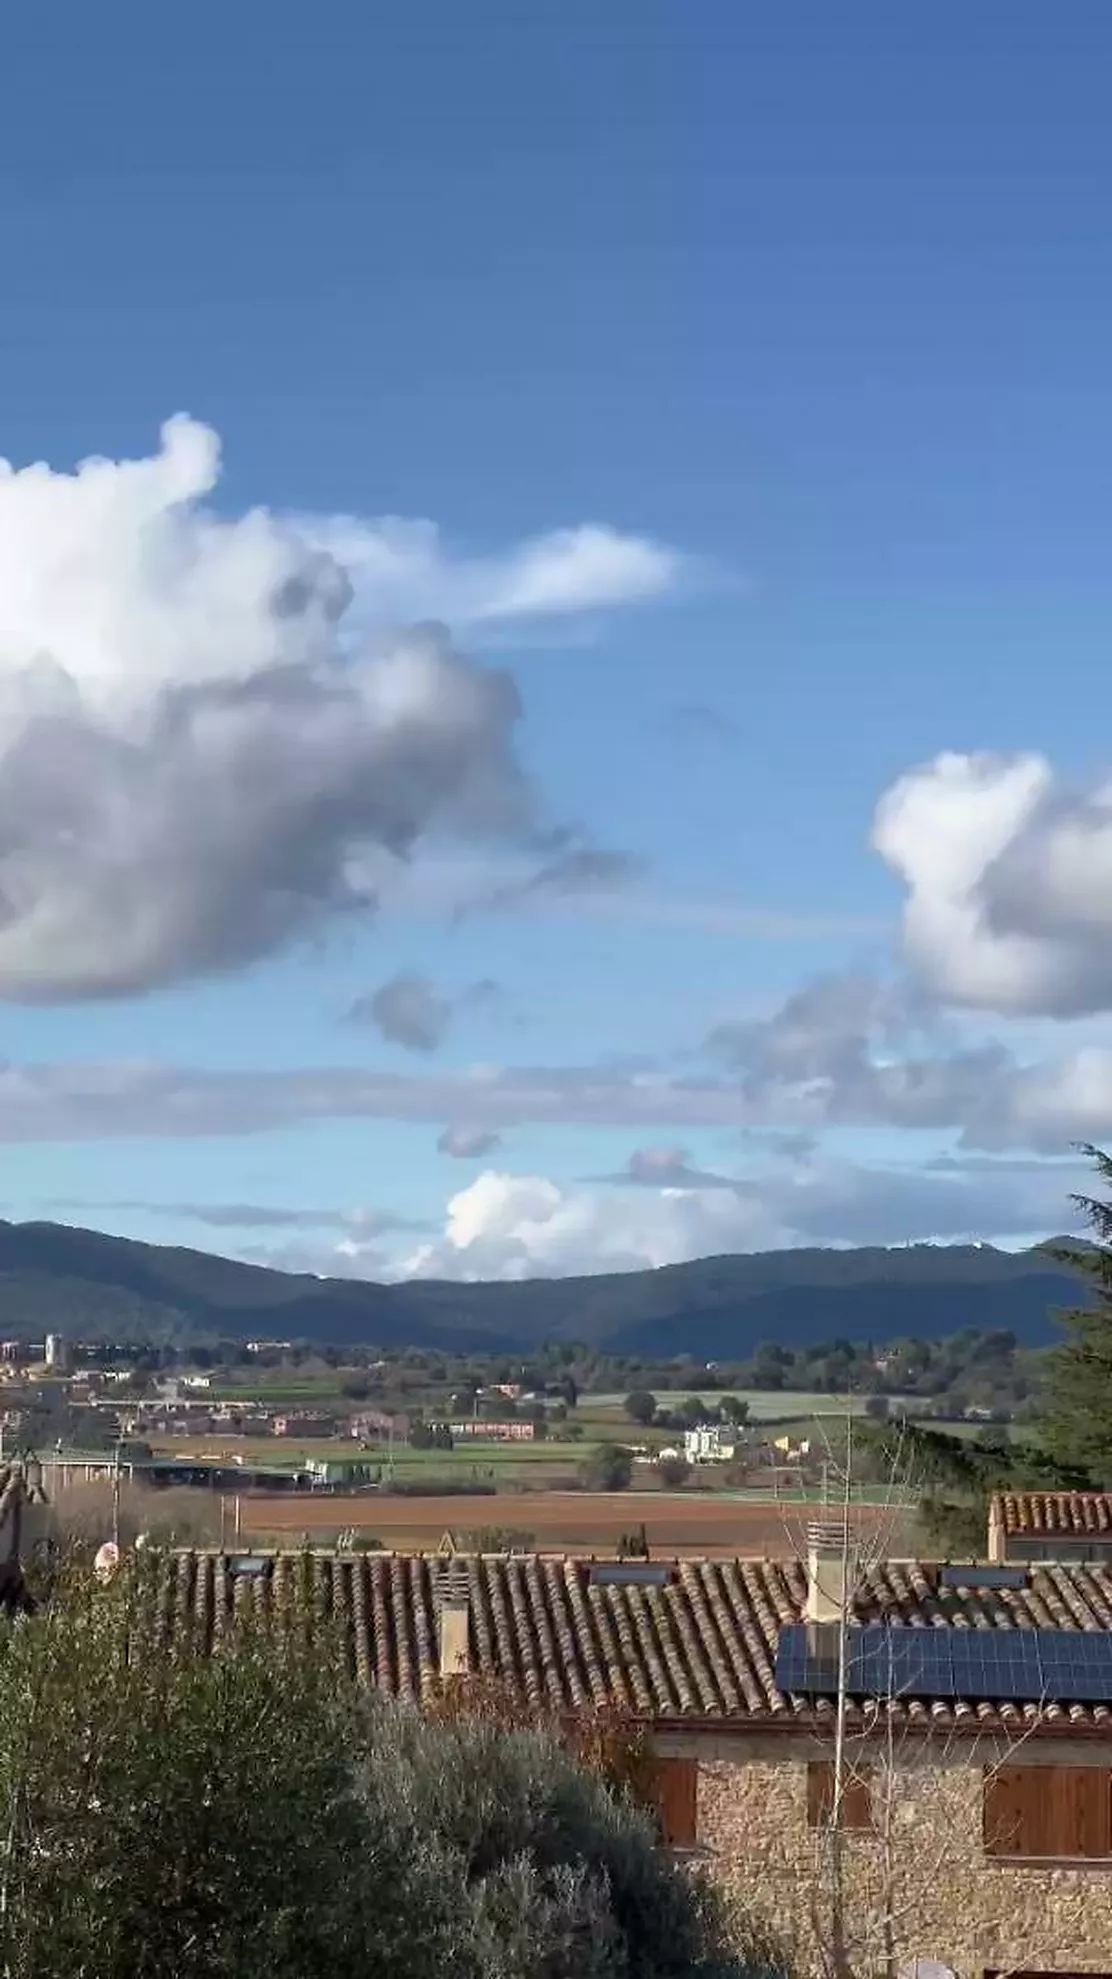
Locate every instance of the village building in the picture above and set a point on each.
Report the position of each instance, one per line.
(1051, 1525)
(972, 1830)
(304, 1422)
(477, 1429)
(710, 1443)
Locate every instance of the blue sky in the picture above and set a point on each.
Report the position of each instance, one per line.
(748, 371)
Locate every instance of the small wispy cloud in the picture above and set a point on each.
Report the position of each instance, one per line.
(410, 1012)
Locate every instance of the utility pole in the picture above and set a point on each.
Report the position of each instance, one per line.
(116, 1499)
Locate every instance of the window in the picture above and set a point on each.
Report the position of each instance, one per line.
(675, 1792)
(1047, 1813)
(857, 1804)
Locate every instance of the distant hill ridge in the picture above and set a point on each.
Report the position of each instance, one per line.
(54, 1277)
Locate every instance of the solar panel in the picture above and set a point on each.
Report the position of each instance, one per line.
(1076, 1666)
(249, 1566)
(632, 1573)
(1016, 1664)
(997, 1663)
(983, 1576)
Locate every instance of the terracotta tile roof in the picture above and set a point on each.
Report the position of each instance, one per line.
(701, 1646)
(1030, 1513)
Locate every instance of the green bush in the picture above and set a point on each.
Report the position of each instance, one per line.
(540, 1869)
(243, 1815)
(608, 1468)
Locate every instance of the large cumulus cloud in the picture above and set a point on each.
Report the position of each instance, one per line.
(523, 1226)
(1009, 879)
(213, 736)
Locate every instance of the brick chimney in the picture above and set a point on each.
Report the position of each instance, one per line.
(831, 1571)
(453, 1599)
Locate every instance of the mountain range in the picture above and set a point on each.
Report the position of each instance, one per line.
(90, 1285)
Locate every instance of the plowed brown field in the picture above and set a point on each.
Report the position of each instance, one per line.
(570, 1522)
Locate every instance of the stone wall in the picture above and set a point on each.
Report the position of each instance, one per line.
(944, 1899)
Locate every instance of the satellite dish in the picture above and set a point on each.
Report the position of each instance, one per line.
(927, 1968)
(107, 1560)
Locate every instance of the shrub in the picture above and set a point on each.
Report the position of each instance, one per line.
(542, 1870)
(85, 1514)
(244, 1815)
(672, 1471)
(640, 1406)
(499, 1539)
(187, 1815)
(608, 1468)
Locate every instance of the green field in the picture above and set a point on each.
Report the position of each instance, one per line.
(765, 1404)
(788, 1408)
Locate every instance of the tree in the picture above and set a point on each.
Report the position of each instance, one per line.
(241, 1814)
(640, 1406)
(733, 1409)
(1078, 1425)
(192, 1815)
(608, 1468)
(673, 1471)
(543, 1871)
(956, 1478)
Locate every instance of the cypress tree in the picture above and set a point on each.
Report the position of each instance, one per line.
(1078, 1427)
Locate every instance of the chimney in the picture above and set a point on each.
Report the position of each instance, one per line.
(454, 1606)
(997, 1532)
(831, 1571)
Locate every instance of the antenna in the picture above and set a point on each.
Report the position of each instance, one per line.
(116, 1505)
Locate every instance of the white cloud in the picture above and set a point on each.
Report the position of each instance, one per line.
(406, 571)
(983, 1093)
(525, 1226)
(357, 1224)
(521, 1226)
(211, 740)
(1009, 881)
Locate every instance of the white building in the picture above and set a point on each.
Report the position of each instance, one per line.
(710, 1443)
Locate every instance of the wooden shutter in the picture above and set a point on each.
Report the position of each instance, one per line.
(1048, 1813)
(857, 1801)
(676, 1786)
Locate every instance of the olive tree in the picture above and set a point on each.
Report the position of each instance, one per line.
(164, 1811)
(552, 1874)
(244, 1812)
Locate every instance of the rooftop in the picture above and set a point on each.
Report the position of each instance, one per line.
(699, 1644)
(1036, 1512)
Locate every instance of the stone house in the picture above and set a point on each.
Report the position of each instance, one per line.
(973, 1831)
(1050, 1525)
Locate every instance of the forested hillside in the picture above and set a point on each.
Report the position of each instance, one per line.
(88, 1284)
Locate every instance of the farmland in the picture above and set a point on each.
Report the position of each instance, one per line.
(577, 1522)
